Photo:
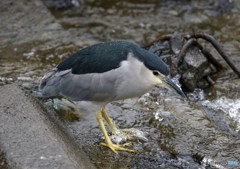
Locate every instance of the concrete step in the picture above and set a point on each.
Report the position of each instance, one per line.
(30, 139)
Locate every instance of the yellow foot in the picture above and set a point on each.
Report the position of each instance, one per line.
(117, 147)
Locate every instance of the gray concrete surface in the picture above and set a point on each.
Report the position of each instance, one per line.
(29, 139)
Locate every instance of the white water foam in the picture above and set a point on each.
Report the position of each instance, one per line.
(229, 106)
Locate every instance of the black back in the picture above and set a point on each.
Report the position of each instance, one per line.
(106, 56)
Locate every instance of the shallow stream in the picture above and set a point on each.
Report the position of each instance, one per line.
(203, 132)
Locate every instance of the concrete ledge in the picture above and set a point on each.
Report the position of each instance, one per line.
(30, 139)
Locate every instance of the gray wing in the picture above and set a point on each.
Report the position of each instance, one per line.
(78, 87)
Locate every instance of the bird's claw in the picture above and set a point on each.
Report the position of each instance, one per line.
(117, 147)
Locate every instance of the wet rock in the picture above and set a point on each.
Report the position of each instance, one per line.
(176, 43)
(65, 7)
(161, 162)
(225, 5)
(194, 66)
(194, 17)
(178, 130)
(66, 109)
(62, 4)
(3, 161)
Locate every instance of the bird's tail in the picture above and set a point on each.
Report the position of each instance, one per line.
(49, 84)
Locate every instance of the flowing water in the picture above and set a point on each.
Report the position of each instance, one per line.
(202, 132)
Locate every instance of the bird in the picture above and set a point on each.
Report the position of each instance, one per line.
(106, 72)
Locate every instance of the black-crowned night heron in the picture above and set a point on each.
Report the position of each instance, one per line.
(107, 72)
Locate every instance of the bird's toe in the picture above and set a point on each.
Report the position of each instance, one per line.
(117, 147)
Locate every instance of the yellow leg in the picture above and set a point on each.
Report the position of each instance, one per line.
(112, 126)
(109, 121)
(108, 143)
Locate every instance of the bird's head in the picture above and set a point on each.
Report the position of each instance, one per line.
(164, 81)
(159, 69)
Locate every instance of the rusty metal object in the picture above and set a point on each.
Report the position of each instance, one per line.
(185, 48)
(159, 38)
(192, 40)
(181, 48)
(218, 47)
(181, 54)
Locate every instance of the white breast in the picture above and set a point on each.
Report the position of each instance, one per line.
(135, 78)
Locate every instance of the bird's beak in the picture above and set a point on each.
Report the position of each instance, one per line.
(172, 86)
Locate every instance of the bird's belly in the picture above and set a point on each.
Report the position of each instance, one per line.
(132, 90)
